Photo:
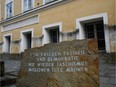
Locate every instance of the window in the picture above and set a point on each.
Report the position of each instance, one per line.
(96, 30)
(80, 25)
(28, 4)
(54, 35)
(26, 40)
(51, 33)
(48, 1)
(9, 9)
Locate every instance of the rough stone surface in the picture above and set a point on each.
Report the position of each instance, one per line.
(78, 66)
(107, 70)
(11, 67)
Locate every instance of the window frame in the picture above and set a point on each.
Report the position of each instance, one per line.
(53, 38)
(45, 30)
(22, 46)
(101, 47)
(6, 3)
(23, 10)
(44, 1)
(79, 27)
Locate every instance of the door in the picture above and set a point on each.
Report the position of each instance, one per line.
(96, 30)
(7, 44)
(54, 35)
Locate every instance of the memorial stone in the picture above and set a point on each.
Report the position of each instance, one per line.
(66, 64)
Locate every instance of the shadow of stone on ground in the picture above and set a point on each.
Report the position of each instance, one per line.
(8, 82)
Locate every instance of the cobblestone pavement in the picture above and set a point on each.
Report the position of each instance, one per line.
(11, 73)
(107, 72)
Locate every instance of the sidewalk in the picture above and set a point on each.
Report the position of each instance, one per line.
(11, 73)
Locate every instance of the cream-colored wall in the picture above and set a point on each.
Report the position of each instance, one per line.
(0, 10)
(16, 36)
(78, 8)
(17, 7)
(38, 3)
(115, 11)
(67, 14)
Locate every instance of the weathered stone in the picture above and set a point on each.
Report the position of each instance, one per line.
(66, 64)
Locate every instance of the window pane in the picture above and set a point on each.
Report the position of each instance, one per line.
(96, 30)
(91, 35)
(6, 10)
(89, 30)
(9, 9)
(100, 26)
(30, 4)
(100, 35)
(48, 1)
(25, 5)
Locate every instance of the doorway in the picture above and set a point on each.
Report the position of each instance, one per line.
(54, 35)
(26, 40)
(7, 44)
(51, 35)
(96, 30)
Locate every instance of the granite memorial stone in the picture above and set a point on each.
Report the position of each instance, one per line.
(65, 64)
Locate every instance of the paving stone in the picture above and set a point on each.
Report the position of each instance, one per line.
(107, 73)
(12, 86)
(107, 85)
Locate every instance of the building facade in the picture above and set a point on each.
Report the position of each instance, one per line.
(33, 23)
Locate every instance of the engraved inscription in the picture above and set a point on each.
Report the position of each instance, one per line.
(66, 64)
(66, 61)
